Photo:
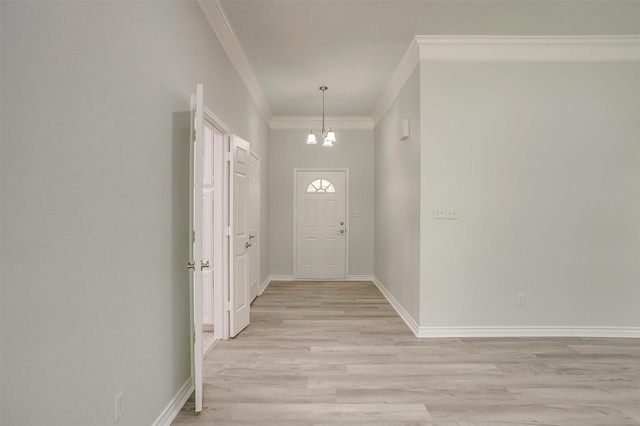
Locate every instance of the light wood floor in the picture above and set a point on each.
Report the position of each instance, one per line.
(337, 353)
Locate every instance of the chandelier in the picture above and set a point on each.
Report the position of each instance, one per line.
(328, 137)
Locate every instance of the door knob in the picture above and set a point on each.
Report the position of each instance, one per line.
(204, 264)
(251, 236)
(191, 265)
(342, 231)
(247, 245)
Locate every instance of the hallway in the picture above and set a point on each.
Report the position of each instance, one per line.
(337, 353)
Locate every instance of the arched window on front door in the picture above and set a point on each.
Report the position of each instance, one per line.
(320, 186)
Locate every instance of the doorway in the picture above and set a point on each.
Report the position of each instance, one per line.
(212, 225)
(320, 227)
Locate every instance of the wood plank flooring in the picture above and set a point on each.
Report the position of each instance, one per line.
(337, 353)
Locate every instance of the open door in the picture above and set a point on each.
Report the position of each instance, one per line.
(196, 262)
(239, 243)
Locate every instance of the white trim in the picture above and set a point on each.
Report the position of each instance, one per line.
(505, 49)
(218, 223)
(213, 119)
(411, 323)
(280, 278)
(219, 23)
(263, 286)
(516, 331)
(315, 123)
(528, 49)
(175, 405)
(618, 332)
(398, 80)
(360, 278)
(226, 273)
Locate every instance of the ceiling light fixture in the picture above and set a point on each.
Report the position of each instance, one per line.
(330, 136)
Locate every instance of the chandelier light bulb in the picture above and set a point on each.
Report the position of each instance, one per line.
(311, 139)
(331, 136)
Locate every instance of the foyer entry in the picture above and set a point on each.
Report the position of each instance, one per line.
(320, 229)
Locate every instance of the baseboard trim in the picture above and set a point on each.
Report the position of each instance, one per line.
(360, 278)
(280, 277)
(515, 331)
(270, 279)
(263, 286)
(171, 411)
(411, 323)
(615, 332)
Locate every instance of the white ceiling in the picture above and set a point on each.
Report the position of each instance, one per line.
(354, 46)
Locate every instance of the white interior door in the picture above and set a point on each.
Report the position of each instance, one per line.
(321, 225)
(254, 225)
(196, 261)
(239, 268)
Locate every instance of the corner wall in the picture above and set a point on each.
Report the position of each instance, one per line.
(397, 201)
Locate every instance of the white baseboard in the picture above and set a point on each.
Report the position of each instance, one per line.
(176, 404)
(270, 279)
(631, 332)
(361, 278)
(518, 331)
(280, 277)
(411, 323)
(263, 286)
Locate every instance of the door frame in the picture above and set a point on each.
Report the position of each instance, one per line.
(218, 226)
(219, 324)
(346, 219)
(257, 239)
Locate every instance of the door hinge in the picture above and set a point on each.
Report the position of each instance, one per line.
(227, 156)
(227, 230)
(227, 305)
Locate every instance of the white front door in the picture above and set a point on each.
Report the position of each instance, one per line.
(321, 225)
(197, 263)
(254, 225)
(239, 271)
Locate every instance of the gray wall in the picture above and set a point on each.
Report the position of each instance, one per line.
(397, 200)
(354, 150)
(543, 163)
(95, 100)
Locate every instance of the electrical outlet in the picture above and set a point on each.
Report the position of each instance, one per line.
(520, 299)
(439, 213)
(119, 405)
(452, 213)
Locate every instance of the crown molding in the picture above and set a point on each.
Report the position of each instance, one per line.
(506, 49)
(315, 123)
(219, 23)
(528, 48)
(400, 76)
